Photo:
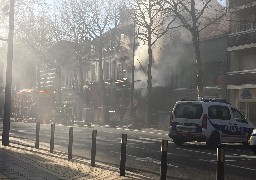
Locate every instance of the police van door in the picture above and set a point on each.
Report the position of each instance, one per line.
(220, 120)
(238, 126)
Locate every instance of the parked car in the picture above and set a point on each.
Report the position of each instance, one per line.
(252, 141)
(213, 121)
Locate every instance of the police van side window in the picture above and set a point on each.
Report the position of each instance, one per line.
(212, 112)
(219, 112)
(224, 113)
(238, 116)
(188, 110)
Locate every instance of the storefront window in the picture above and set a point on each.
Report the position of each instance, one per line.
(242, 108)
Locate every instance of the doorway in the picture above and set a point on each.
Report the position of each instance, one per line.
(252, 112)
(249, 110)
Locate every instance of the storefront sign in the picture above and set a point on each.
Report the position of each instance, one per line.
(246, 94)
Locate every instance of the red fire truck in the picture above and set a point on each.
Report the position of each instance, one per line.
(32, 105)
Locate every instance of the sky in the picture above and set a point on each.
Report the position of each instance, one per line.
(222, 2)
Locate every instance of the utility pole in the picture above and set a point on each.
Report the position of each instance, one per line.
(8, 86)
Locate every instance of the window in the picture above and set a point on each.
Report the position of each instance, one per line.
(219, 112)
(238, 116)
(188, 110)
(212, 112)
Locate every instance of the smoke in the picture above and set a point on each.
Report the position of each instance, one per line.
(165, 57)
(167, 51)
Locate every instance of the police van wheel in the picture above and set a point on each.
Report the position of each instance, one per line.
(248, 138)
(214, 140)
(245, 144)
(178, 142)
(254, 149)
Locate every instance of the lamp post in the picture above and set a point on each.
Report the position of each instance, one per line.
(8, 86)
(132, 113)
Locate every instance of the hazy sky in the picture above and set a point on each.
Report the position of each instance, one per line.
(222, 2)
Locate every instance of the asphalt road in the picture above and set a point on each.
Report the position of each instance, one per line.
(186, 162)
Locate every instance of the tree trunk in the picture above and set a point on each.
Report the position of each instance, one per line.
(195, 35)
(149, 87)
(38, 76)
(105, 109)
(81, 91)
(8, 86)
(150, 62)
(199, 79)
(58, 84)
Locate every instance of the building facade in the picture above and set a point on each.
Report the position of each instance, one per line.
(182, 67)
(242, 56)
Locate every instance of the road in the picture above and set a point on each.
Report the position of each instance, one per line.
(186, 162)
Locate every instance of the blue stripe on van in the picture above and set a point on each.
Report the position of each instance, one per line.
(231, 130)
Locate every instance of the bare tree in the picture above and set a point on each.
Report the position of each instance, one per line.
(100, 18)
(33, 30)
(72, 25)
(153, 22)
(195, 16)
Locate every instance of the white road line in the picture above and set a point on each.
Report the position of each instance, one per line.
(150, 139)
(241, 167)
(146, 159)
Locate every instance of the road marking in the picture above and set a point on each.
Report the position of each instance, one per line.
(150, 139)
(146, 159)
(241, 167)
(141, 141)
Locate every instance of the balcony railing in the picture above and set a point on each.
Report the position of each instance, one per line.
(241, 4)
(243, 25)
(240, 78)
(242, 38)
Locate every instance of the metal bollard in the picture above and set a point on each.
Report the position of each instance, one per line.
(70, 143)
(163, 168)
(93, 149)
(220, 163)
(52, 138)
(123, 154)
(37, 135)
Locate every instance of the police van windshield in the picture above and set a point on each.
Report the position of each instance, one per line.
(188, 110)
(238, 116)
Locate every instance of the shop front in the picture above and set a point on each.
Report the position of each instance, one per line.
(242, 92)
(247, 103)
(245, 100)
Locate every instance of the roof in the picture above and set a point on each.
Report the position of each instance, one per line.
(207, 100)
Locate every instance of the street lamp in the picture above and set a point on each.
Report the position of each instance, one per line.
(8, 86)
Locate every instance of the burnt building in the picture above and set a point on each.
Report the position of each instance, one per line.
(242, 56)
(183, 72)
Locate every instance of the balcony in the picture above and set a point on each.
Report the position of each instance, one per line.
(242, 40)
(240, 78)
(235, 5)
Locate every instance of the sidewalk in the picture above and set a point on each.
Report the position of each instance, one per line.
(21, 160)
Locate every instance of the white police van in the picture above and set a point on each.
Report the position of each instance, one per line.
(213, 121)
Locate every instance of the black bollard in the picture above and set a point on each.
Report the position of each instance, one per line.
(123, 154)
(93, 149)
(52, 138)
(163, 168)
(220, 163)
(70, 143)
(37, 135)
